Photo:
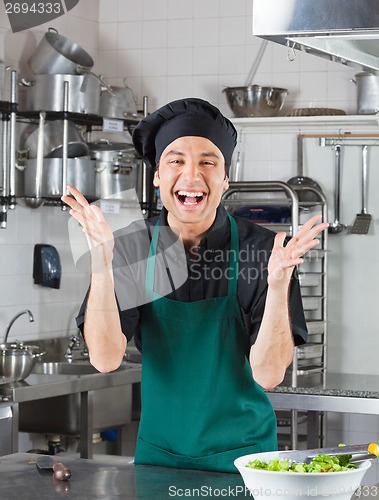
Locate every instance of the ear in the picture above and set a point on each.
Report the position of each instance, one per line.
(226, 183)
(156, 179)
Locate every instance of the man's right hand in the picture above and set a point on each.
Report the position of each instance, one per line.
(96, 228)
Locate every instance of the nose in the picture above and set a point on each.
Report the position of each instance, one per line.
(191, 171)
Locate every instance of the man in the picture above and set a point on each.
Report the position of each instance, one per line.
(213, 343)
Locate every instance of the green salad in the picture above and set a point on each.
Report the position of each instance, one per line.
(320, 463)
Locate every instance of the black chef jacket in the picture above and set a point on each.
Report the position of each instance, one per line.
(197, 274)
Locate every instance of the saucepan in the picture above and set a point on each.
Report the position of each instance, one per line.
(17, 360)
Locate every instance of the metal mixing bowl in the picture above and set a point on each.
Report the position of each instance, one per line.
(255, 100)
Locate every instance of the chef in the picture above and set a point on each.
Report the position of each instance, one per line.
(217, 339)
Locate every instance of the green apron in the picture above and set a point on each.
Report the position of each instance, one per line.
(201, 408)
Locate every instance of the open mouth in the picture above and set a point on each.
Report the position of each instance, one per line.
(190, 197)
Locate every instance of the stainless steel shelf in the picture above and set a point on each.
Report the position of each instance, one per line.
(293, 122)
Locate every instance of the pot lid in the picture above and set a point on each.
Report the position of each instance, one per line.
(105, 145)
(19, 348)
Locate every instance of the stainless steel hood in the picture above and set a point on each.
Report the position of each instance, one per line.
(344, 31)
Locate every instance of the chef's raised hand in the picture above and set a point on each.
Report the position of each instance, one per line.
(94, 225)
(284, 258)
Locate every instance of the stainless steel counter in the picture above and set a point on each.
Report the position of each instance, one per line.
(345, 393)
(37, 387)
(116, 478)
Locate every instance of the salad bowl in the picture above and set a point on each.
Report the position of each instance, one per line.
(289, 485)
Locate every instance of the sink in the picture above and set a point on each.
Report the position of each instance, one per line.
(64, 368)
(69, 368)
(112, 406)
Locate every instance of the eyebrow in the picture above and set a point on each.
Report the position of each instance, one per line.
(208, 154)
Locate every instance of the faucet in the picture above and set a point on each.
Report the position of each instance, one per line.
(74, 342)
(31, 319)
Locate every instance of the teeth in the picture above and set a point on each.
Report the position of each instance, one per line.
(188, 193)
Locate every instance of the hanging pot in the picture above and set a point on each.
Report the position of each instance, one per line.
(45, 93)
(56, 54)
(53, 140)
(120, 105)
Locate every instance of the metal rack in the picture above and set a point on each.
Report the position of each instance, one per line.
(12, 171)
(309, 361)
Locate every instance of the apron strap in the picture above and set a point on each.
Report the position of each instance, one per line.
(150, 267)
(233, 259)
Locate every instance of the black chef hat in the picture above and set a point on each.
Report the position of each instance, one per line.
(185, 117)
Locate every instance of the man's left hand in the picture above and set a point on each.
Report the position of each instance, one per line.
(283, 259)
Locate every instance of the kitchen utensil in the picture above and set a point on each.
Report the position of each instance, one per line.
(369, 450)
(56, 54)
(300, 183)
(363, 220)
(367, 85)
(256, 63)
(53, 140)
(17, 360)
(45, 92)
(118, 168)
(255, 100)
(84, 71)
(80, 173)
(336, 226)
(120, 105)
(46, 464)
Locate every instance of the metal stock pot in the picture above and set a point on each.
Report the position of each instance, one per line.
(80, 173)
(120, 105)
(118, 168)
(46, 93)
(367, 93)
(53, 140)
(56, 54)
